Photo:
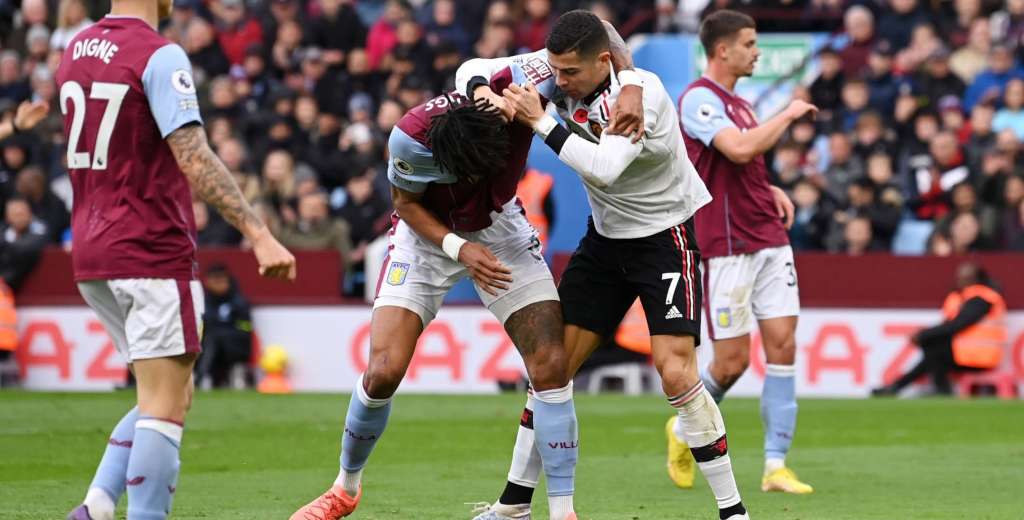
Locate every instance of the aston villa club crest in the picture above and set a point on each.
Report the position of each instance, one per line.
(397, 273)
(724, 316)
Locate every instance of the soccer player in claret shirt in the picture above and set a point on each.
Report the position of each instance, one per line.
(643, 192)
(135, 147)
(455, 164)
(748, 268)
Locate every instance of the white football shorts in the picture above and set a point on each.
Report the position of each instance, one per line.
(148, 317)
(742, 289)
(417, 274)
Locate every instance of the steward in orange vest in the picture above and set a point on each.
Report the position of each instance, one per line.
(534, 191)
(972, 337)
(8, 322)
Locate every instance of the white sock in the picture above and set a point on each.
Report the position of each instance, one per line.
(349, 481)
(101, 506)
(704, 431)
(678, 431)
(526, 462)
(560, 507)
(773, 464)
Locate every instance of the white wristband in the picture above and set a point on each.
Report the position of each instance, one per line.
(451, 245)
(630, 77)
(545, 126)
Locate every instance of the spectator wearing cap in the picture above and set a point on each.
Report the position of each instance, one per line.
(1011, 115)
(13, 86)
(936, 80)
(71, 18)
(22, 239)
(33, 13)
(883, 87)
(383, 35)
(896, 17)
(968, 61)
(859, 25)
(951, 115)
(47, 207)
(337, 30)
(988, 85)
(207, 58)
(236, 30)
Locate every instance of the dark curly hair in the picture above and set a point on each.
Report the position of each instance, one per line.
(471, 139)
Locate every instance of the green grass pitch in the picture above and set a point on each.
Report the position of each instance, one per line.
(254, 457)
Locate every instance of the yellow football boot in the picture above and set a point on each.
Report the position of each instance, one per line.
(680, 460)
(784, 480)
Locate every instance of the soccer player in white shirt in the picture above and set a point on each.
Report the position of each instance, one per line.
(643, 193)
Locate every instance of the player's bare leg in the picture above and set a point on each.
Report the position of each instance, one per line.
(526, 461)
(778, 404)
(675, 357)
(393, 335)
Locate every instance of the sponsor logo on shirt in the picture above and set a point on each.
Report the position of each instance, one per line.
(537, 70)
(182, 82)
(397, 273)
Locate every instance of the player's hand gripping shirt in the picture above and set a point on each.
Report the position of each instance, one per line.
(635, 189)
(462, 205)
(123, 89)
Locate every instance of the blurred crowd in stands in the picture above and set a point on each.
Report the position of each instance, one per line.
(918, 138)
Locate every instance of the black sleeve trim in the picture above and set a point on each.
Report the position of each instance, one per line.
(475, 82)
(557, 138)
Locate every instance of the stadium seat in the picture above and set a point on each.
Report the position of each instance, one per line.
(912, 237)
(1004, 381)
(632, 376)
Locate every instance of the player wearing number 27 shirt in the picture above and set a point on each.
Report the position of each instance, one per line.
(136, 150)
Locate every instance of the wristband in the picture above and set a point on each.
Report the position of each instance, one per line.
(451, 245)
(545, 126)
(630, 77)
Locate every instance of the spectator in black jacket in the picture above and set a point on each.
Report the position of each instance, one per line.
(227, 329)
(337, 31)
(22, 240)
(47, 207)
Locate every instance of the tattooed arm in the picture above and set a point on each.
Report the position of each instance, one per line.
(212, 181)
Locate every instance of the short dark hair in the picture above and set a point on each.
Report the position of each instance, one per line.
(580, 31)
(721, 25)
(470, 139)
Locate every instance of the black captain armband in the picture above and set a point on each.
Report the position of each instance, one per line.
(557, 137)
